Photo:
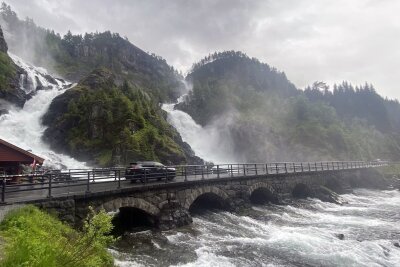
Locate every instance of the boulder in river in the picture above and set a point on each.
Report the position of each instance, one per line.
(325, 194)
(340, 236)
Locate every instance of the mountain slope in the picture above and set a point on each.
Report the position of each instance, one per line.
(105, 124)
(75, 56)
(227, 80)
(268, 119)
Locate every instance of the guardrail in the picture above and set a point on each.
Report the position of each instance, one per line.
(17, 188)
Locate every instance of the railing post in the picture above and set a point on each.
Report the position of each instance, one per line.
(285, 167)
(315, 163)
(266, 168)
(255, 166)
(244, 169)
(294, 167)
(302, 168)
(276, 168)
(3, 190)
(185, 173)
(50, 182)
(165, 174)
(217, 171)
(119, 177)
(322, 166)
(88, 183)
(309, 166)
(202, 172)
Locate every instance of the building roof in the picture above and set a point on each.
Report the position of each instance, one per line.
(12, 153)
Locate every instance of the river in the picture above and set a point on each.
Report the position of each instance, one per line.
(302, 233)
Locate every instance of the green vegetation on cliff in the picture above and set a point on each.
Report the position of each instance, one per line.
(108, 124)
(269, 119)
(231, 80)
(34, 238)
(75, 56)
(7, 72)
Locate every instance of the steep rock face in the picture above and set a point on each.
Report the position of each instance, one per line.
(105, 124)
(3, 44)
(9, 78)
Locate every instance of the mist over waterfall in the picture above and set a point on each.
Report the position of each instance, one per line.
(209, 143)
(23, 128)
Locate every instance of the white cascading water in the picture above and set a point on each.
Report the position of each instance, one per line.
(209, 142)
(23, 128)
(305, 234)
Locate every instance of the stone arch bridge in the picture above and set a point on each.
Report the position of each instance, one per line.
(170, 205)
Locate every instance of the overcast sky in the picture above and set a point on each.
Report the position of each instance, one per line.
(310, 40)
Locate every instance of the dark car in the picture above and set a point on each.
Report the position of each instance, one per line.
(148, 170)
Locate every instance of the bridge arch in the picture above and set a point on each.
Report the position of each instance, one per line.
(301, 190)
(262, 193)
(210, 197)
(129, 202)
(131, 214)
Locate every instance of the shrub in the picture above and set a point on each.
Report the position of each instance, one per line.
(35, 238)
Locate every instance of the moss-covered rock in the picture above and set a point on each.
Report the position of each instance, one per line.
(105, 124)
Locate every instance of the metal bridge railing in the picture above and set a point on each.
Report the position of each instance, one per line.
(53, 183)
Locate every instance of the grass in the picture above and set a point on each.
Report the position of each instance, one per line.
(36, 239)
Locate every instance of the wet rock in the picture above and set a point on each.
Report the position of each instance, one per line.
(325, 194)
(172, 218)
(396, 244)
(3, 111)
(340, 236)
(50, 79)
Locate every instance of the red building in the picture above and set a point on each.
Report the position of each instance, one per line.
(12, 158)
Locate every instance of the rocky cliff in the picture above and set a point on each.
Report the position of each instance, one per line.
(9, 78)
(106, 124)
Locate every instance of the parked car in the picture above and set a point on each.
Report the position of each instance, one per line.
(149, 170)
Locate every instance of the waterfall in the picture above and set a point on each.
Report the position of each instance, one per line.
(211, 143)
(23, 128)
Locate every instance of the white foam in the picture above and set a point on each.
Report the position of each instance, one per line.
(23, 128)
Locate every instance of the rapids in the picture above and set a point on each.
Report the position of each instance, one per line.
(299, 234)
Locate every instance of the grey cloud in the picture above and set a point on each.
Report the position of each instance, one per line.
(310, 40)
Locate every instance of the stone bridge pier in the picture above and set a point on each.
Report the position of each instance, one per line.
(167, 206)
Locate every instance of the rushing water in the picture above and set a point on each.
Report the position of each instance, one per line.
(203, 140)
(23, 127)
(301, 234)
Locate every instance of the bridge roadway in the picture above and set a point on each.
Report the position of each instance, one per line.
(83, 182)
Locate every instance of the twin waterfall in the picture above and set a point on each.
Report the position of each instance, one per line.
(23, 127)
